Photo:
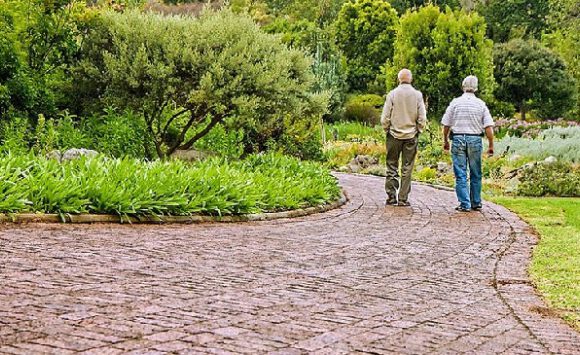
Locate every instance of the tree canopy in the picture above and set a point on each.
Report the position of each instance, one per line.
(441, 48)
(188, 75)
(365, 32)
(533, 77)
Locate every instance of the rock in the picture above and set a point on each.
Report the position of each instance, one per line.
(54, 154)
(353, 168)
(443, 167)
(550, 160)
(514, 157)
(364, 161)
(190, 155)
(75, 153)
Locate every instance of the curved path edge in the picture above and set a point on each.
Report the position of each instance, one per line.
(151, 219)
(513, 283)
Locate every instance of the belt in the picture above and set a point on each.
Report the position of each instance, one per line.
(466, 134)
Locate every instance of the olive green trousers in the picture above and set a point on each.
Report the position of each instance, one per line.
(404, 150)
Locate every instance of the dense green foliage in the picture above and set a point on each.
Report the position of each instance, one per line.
(533, 77)
(364, 108)
(38, 43)
(403, 5)
(329, 65)
(132, 187)
(509, 19)
(441, 48)
(564, 38)
(185, 76)
(113, 134)
(553, 179)
(365, 32)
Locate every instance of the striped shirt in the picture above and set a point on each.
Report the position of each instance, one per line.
(467, 114)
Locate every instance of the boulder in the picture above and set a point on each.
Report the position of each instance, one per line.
(75, 153)
(190, 155)
(550, 159)
(443, 167)
(54, 154)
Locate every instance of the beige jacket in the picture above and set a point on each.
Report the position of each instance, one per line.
(404, 112)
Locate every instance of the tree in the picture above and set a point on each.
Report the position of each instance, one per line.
(403, 5)
(365, 32)
(38, 43)
(532, 77)
(329, 65)
(441, 48)
(508, 19)
(564, 38)
(185, 76)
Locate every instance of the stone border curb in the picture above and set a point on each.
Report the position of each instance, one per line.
(108, 218)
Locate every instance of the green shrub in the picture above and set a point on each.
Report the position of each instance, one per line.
(426, 175)
(187, 75)
(365, 31)
(130, 187)
(364, 109)
(117, 134)
(224, 143)
(354, 131)
(532, 77)
(555, 179)
(441, 48)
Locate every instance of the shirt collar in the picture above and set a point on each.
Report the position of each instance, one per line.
(468, 94)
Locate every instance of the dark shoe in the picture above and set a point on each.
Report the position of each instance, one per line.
(462, 209)
(476, 208)
(404, 203)
(391, 203)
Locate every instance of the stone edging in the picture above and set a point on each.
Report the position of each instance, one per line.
(108, 218)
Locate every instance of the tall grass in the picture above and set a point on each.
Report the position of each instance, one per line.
(131, 187)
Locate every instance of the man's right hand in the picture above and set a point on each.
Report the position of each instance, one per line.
(446, 146)
(490, 152)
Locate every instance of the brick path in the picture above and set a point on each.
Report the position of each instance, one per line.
(359, 279)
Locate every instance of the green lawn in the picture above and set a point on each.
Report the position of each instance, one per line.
(555, 267)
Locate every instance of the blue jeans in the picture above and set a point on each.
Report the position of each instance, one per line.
(466, 153)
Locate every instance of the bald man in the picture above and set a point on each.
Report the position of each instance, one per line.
(403, 118)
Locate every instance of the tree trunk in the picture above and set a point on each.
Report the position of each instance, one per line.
(523, 111)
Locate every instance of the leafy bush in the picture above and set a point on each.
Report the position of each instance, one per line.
(509, 19)
(441, 48)
(365, 32)
(364, 109)
(355, 132)
(133, 187)
(531, 76)
(555, 179)
(188, 75)
(426, 175)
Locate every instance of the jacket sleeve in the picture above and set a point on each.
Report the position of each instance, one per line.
(386, 115)
(421, 113)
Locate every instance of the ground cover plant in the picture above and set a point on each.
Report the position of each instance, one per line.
(554, 268)
(131, 187)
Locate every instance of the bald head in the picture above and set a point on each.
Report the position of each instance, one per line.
(405, 76)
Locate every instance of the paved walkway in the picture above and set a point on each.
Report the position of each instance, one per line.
(359, 279)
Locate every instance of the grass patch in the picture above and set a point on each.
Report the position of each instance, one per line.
(555, 267)
(131, 187)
